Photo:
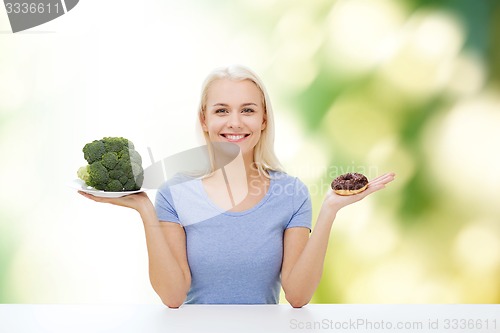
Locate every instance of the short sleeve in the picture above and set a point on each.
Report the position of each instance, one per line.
(302, 208)
(164, 205)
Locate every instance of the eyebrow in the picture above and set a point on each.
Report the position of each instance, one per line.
(244, 104)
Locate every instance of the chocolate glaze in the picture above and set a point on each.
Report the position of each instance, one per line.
(349, 181)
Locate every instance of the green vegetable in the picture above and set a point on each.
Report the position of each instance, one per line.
(113, 165)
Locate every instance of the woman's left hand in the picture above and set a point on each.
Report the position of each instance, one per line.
(335, 202)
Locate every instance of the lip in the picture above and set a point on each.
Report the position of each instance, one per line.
(235, 137)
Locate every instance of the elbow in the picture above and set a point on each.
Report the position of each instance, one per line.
(297, 302)
(296, 297)
(173, 300)
(173, 303)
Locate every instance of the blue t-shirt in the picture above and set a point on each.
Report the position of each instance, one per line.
(235, 257)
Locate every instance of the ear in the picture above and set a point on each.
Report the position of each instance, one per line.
(264, 123)
(203, 121)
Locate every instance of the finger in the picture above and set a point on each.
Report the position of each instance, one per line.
(377, 178)
(371, 189)
(92, 197)
(384, 179)
(376, 181)
(86, 195)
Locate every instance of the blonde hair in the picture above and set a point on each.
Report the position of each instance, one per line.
(264, 156)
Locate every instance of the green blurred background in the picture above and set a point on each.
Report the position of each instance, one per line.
(357, 85)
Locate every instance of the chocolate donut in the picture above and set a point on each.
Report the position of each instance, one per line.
(350, 183)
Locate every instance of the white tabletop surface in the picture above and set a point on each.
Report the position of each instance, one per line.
(154, 318)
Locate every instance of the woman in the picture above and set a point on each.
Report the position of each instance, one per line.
(218, 240)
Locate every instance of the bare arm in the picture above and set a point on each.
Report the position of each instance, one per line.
(166, 244)
(304, 256)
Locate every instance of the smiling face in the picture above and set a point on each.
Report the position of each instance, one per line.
(234, 112)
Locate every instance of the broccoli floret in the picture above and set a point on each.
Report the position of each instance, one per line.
(116, 174)
(113, 165)
(135, 157)
(98, 175)
(130, 185)
(110, 160)
(83, 173)
(93, 151)
(115, 144)
(136, 170)
(114, 186)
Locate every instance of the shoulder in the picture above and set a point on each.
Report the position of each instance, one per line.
(173, 187)
(178, 179)
(292, 185)
(281, 176)
(177, 196)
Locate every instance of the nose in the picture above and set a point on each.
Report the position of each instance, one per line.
(234, 120)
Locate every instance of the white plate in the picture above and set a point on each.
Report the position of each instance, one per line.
(80, 185)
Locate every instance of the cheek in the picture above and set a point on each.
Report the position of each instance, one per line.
(260, 124)
(212, 126)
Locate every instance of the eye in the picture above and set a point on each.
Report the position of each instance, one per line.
(221, 111)
(247, 110)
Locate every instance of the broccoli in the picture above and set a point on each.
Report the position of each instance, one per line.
(113, 165)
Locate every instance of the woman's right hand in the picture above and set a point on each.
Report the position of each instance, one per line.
(137, 201)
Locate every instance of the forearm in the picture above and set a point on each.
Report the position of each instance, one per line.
(305, 275)
(165, 273)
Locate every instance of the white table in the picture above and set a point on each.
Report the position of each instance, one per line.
(41, 318)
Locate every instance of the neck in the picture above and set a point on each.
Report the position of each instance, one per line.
(250, 167)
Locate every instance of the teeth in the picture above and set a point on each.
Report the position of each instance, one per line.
(235, 137)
